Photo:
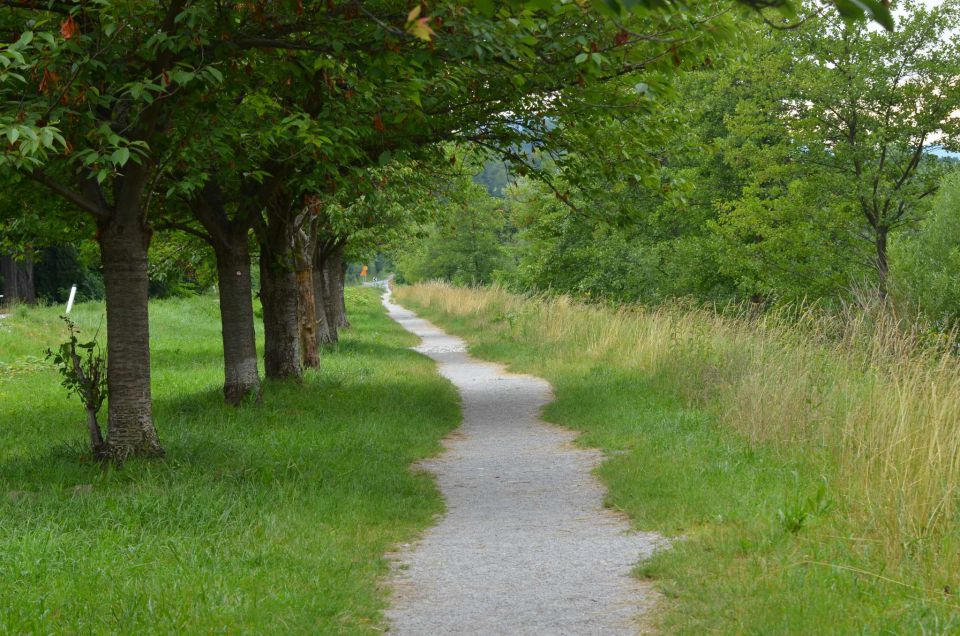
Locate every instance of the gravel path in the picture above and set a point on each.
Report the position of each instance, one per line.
(526, 546)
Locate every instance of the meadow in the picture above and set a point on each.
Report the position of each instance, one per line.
(806, 464)
(274, 517)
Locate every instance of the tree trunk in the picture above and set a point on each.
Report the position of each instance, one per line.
(341, 273)
(333, 271)
(96, 438)
(304, 246)
(17, 277)
(325, 288)
(123, 250)
(279, 294)
(326, 334)
(307, 313)
(241, 377)
(229, 237)
(883, 266)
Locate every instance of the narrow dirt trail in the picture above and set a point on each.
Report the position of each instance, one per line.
(526, 546)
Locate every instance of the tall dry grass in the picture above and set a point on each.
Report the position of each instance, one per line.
(876, 399)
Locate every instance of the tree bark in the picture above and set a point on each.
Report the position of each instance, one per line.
(306, 304)
(340, 286)
(333, 270)
(324, 296)
(307, 312)
(276, 228)
(96, 438)
(229, 239)
(279, 294)
(124, 239)
(325, 334)
(241, 376)
(17, 277)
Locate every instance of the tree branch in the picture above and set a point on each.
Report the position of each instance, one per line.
(95, 208)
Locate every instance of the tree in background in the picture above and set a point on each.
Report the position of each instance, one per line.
(927, 259)
(836, 129)
(466, 244)
(757, 190)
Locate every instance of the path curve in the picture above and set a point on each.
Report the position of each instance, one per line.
(526, 546)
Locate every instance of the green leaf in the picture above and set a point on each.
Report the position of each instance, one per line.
(120, 156)
(856, 9)
(485, 7)
(580, 59)
(385, 157)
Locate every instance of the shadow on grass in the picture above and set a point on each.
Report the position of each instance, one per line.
(198, 430)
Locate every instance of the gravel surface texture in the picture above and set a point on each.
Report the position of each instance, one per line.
(525, 545)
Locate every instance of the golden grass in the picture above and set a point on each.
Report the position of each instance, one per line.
(877, 399)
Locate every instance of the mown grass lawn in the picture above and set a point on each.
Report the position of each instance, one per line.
(763, 543)
(272, 518)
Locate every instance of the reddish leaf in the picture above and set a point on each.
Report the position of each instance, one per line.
(68, 28)
(48, 80)
(378, 123)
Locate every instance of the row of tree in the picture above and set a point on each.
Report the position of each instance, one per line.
(291, 129)
(277, 127)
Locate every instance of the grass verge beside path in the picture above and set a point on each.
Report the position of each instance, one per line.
(273, 518)
(774, 540)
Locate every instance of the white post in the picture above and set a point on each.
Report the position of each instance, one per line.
(73, 294)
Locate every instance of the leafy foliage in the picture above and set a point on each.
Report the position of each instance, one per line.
(82, 367)
(778, 172)
(466, 242)
(927, 260)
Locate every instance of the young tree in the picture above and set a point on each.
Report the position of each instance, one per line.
(859, 110)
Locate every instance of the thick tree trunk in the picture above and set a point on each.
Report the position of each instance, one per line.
(229, 238)
(17, 277)
(279, 293)
(123, 249)
(333, 273)
(241, 377)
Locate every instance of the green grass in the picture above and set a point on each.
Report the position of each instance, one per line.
(762, 546)
(273, 518)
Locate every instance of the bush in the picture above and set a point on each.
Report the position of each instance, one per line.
(926, 263)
